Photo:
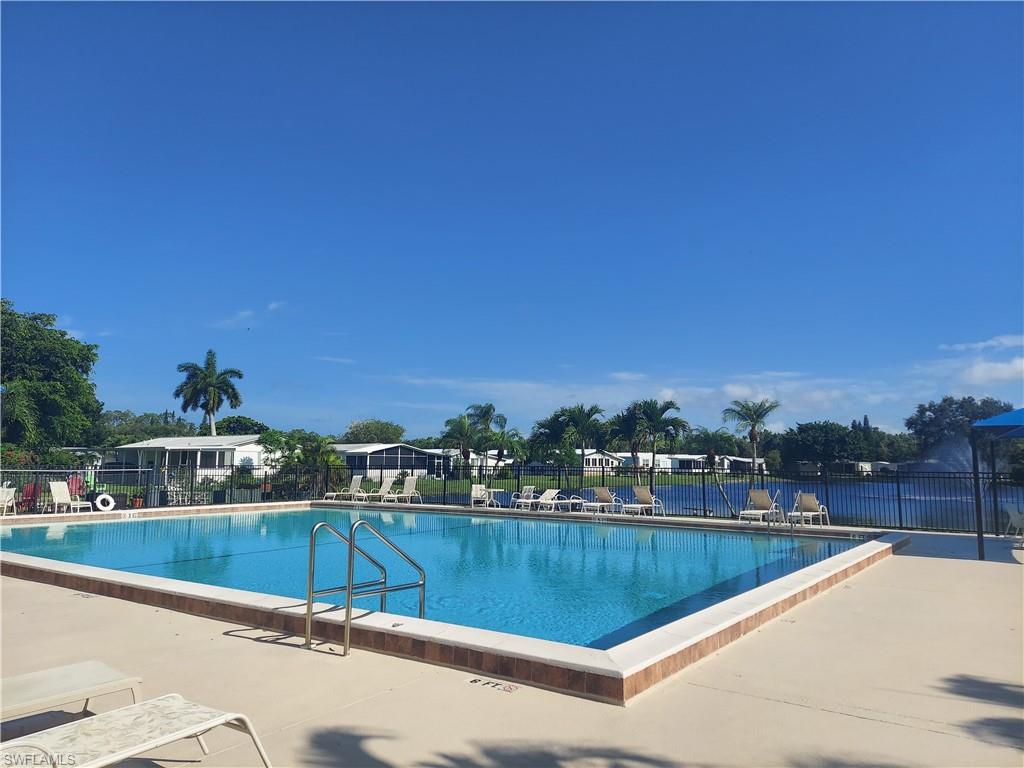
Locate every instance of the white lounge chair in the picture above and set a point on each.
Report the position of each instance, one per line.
(350, 492)
(761, 506)
(1015, 520)
(114, 736)
(606, 501)
(32, 692)
(806, 508)
(407, 493)
(7, 500)
(62, 498)
(546, 501)
(645, 502)
(479, 497)
(378, 494)
(524, 495)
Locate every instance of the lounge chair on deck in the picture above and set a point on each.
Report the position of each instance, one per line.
(32, 692)
(350, 492)
(606, 501)
(62, 498)
(762, 507)
(119, 734)
(378, 494)
(407, 493)
(525, 495)
(806, 508)
(646, 502)
(546, 501)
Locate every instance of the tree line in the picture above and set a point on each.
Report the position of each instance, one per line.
(49, 402)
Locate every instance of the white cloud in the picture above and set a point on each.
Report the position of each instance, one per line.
(738, 391)
(1006, 341)
(627, 376)
(275, 305)
(241, 318)
(75, 333)
(990, 372)
(340, 360)
(104, 333)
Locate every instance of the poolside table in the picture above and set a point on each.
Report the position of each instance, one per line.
(491, 493)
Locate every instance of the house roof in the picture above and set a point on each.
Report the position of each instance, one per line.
(366, 448)
(196, 443)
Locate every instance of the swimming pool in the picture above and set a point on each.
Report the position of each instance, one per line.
(586, 584)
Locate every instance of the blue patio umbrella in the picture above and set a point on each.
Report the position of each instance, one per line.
(1003, 426)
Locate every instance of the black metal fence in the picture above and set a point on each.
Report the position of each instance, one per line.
(940, 501)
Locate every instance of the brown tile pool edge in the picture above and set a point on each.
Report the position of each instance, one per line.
(613, 676)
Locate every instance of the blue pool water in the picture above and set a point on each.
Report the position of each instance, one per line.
(581, 583)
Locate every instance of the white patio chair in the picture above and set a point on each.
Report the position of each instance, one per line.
(645, 502)
(479, 497)
(1015, 520)
(378, 494)
(806, 508)
(546, 501)
(350, 492)
(606, 502)
(62, 498)
(7, 500)
(407, 493)
(761, 506)
(115, 736)
(521, 499)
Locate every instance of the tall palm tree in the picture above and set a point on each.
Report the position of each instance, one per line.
(460, 433)
(658, 425)
(483, 415)
(749, 417)
(205, 388)
(582, 424)
(507, 441)
(627, 427)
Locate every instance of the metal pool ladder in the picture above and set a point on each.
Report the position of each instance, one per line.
(378, 586)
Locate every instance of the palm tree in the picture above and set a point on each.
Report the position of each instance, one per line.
(749, 416)
(580, 422)
(460, 433)
(205, 388)
(507, 441)
(627, 427)
(482, 415)
(656, 424)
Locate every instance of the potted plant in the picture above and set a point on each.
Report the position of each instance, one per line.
(137, 500)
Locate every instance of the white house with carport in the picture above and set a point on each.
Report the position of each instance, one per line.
(367, 458)
(202, 452)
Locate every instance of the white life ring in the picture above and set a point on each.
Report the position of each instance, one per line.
(105, 502)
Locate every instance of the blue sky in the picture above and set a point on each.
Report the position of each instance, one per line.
(397, 210)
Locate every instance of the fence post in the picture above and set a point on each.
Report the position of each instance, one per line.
(295, 483)
(651, 483)
(444, 484)
(824, 477)
(704, 491)
(899, 497)
(995, 489)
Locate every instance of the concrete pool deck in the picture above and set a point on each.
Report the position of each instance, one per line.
(915, 661)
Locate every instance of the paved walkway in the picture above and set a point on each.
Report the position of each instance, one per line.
(916, 661)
